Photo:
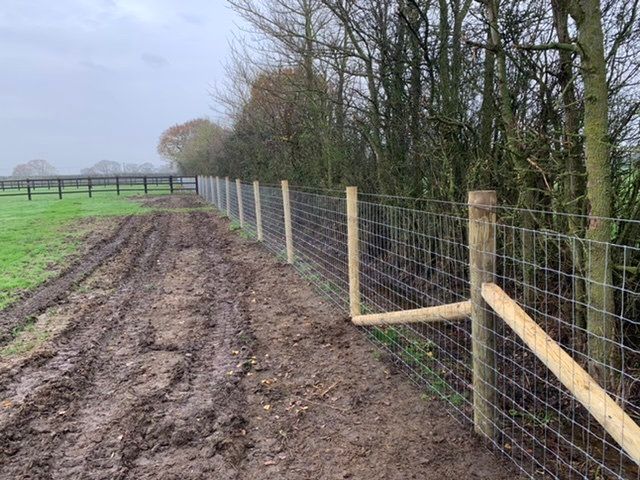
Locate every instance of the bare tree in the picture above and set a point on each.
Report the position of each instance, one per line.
(34, 168)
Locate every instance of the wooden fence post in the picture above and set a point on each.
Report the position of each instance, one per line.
(218, 193)
(170, 183)
(256, 197)
(353, 251)
(197, 186)
(482, 266)
(146, 189)
(117, 185)
(213, 190)
(239, 194)
(228, 190)
(89, 186)
(29, 189)
(288, 230)
(59, 189)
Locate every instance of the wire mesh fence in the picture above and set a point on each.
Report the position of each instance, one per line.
(414, 253)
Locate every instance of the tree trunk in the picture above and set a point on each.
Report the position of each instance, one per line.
(604, 357)
(487, 117)
(525, 179)
(573, 184)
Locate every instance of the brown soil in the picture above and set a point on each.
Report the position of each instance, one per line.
(192, 354)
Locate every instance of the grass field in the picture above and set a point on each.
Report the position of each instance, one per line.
(35, 236)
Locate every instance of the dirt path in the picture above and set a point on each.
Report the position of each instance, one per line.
(192, 354)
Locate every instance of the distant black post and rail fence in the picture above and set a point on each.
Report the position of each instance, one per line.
(118, 184)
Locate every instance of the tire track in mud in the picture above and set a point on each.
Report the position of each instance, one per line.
(48, 389)
(110, 278)
(57, 288)
(201, 417)
(139, 378)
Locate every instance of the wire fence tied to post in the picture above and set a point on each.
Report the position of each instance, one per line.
(530, 335)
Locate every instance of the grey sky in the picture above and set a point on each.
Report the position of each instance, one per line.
(86, 80)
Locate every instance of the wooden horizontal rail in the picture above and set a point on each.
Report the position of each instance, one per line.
(439, 313)
(65, 185)
(595, 399)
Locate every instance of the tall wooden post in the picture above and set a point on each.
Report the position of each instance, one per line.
(228, 190)
(117, 185)
(288, 230)
(218, 193)
(239, 194)
(29, 189)
(482, 266)
(197, 186)
(256, 197)
(89, 186)
(146, 188)
(170, 183)
(353, 251)
(59, 189)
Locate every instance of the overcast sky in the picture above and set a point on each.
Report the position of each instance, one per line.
(87, 80)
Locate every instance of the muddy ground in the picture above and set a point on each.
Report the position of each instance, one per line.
(178, 350)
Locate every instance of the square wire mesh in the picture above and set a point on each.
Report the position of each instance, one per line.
(414, 253)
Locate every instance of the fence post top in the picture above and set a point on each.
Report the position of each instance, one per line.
(483, 197)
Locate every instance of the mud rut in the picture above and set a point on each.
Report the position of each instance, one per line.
(180, 351)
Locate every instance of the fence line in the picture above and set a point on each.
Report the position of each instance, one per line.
(543, 383)
(118, 184)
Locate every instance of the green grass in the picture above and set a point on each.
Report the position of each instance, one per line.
(541, 419)
(35, 237)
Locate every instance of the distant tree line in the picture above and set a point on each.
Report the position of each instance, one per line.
(42, 168)
(538, 99)
(107, 167)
